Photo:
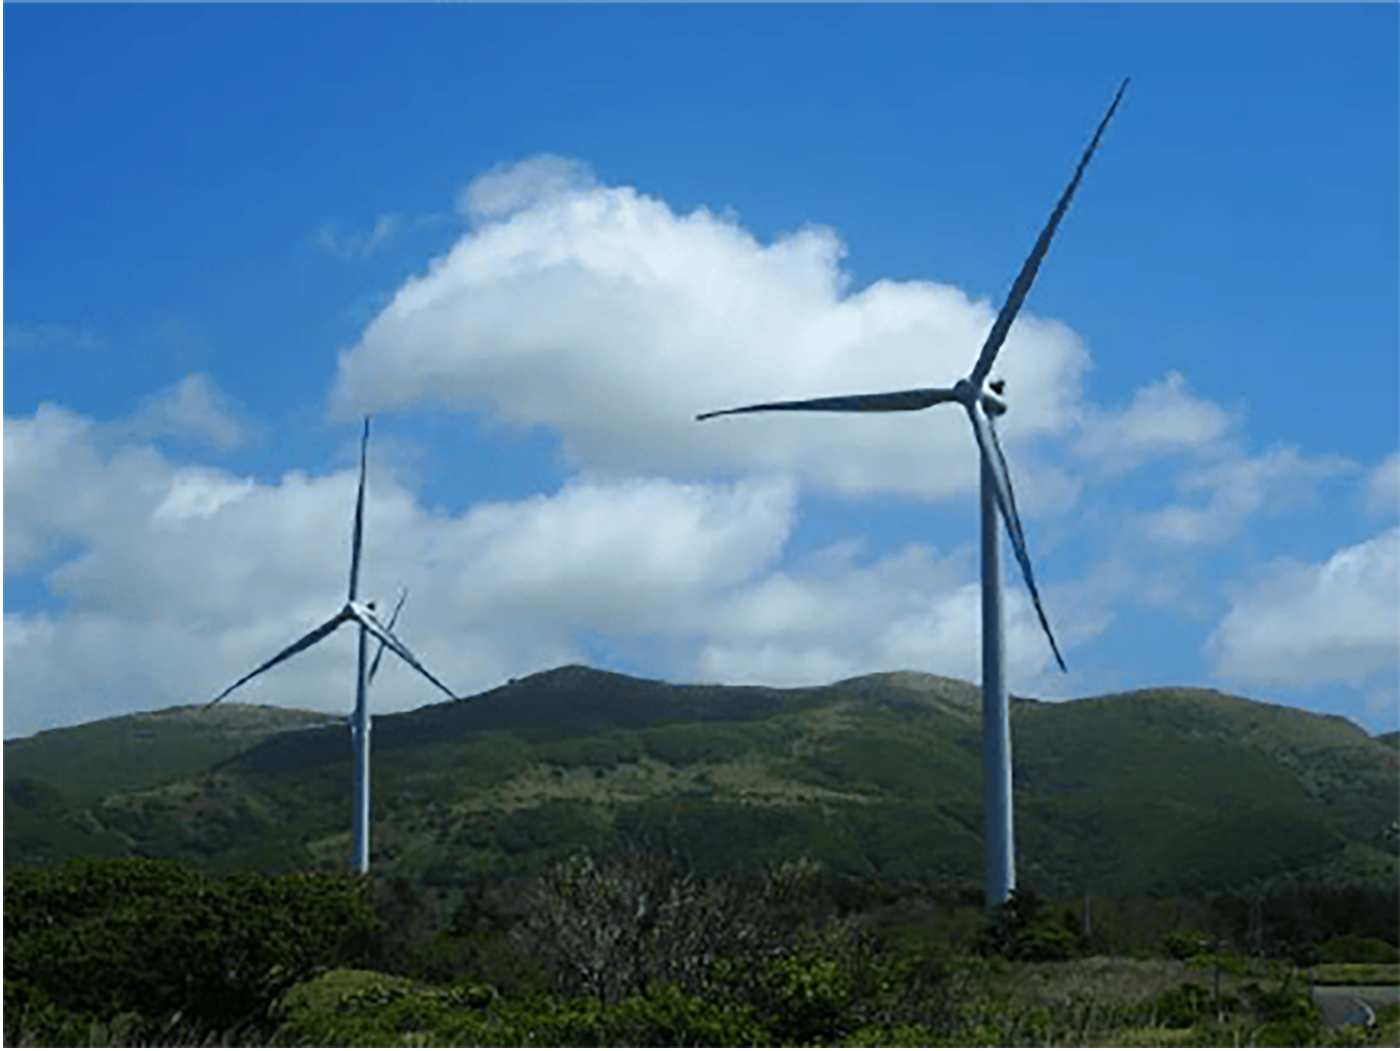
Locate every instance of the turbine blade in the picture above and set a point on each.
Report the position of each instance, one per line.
(304, 642)
(990, 446)
(379, 653)
(371, 623)
(1026, 278)
(899, 401)
(359, 532)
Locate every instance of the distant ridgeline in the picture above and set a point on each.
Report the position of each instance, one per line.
(1166, 791)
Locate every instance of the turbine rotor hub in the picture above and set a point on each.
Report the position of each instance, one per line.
(989, 396)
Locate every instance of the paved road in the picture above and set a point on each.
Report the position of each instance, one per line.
(1347, 1003)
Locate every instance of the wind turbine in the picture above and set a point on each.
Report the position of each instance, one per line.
(363, 615)
(984, 403)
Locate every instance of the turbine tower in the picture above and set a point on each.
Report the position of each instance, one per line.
(363, 615)
(984, 403)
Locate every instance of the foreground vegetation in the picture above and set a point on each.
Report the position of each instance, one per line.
(636, 951)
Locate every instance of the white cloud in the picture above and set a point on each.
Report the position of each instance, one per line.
(357, 245)
(1236, 488)
(599, 312)
(1165, 418)
(179, 579)
(511, 188)
(615, 557)
(58, 482)
(1304, 624)
(196, 492)
(1383, 486)
(834, 619)
(192, 408)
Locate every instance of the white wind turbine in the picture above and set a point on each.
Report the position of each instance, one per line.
(362, 614)
(983, 403)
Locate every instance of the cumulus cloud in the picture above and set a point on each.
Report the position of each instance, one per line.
(624, 556)
(1383, 487)
(1165, 418)
(599, 312)
(911, 610)
(57, 483)
(1303, 624)
(511, 188)
(192, 408)
(177, 579)
(1235, 488)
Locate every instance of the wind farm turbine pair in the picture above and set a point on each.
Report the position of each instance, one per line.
(363, 615)
(984, 403)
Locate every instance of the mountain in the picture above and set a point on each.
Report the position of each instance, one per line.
(1167, 791)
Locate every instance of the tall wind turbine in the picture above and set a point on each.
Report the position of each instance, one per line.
(984, 403)
(362, 614)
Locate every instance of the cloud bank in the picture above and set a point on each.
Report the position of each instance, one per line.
(1302, 624)
(174, 579)
(602, 314)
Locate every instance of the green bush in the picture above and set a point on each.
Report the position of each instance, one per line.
(1290, 1015)
(1183, 945)
(1048, 941)
(157, 939)
(830, 984)
(1022, 928)
(365, 1009)
(1184, 1006)
(1352, 949)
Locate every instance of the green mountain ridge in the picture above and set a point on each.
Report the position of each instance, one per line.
(1167, 791)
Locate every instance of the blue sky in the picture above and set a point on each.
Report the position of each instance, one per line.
(535, 241)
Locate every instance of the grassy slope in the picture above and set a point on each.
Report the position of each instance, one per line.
(55, 779)
(1160, 790)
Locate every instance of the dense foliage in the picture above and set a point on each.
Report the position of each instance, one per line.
(157, 939)
(641, 951)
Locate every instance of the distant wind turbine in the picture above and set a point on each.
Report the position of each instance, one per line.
(983, 402)
(362, 614)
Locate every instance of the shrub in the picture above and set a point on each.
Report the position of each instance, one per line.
(364, 1009)
(1183, 945)
(608, 928)
(1352, 949)
(1184, 1006)
(157, 939)
(1291, 1017)
(1021, 928)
